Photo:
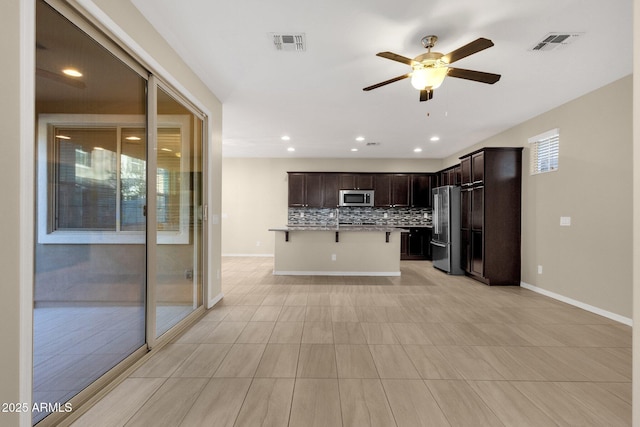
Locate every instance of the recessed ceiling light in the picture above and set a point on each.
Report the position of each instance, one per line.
(63, 137)
(291, 149)
(417, 150)
(360, 138)
(169, 150)
(72, 72)
(132, 138)
(285, 138)
(354, 149)
(434, 138)
(98, 148)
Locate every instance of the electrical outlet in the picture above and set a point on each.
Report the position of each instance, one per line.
(385, 215)
(333, 257)
(331, 215)
(565, 221)
(301, 214)
(539, 269)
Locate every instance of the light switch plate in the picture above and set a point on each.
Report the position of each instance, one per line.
(565, 221)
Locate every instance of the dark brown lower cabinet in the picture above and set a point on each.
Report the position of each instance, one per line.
(416, 244)
(477, 253)
(465, 249)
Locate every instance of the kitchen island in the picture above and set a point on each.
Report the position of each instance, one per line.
(353, 250)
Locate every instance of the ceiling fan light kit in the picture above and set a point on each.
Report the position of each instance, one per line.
(428, 77)
(430, 69)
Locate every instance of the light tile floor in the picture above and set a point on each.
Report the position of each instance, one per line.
(75, 345)
(421, 349)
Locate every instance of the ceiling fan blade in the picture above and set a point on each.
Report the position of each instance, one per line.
(60, 78)
(386, 82)
(426, 95)
(395, 57)
(468, 49)
(476, 76)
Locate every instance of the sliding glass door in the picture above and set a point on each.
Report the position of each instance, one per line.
(90, 260)
(178, 270)
(119, 213)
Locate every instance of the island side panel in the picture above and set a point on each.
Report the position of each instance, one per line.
(358, 253)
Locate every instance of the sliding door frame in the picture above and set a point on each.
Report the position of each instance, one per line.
(152, 203)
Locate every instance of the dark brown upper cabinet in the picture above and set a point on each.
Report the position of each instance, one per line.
(306, 189)
(392, 190)
(400, 190)
(477, 168)
(450, 176)
(421, 186)
(382, 187)
(331, 190)
(356, 181)
(465, 171)
(457, 179)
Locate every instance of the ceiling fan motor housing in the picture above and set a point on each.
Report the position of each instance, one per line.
(429, 41)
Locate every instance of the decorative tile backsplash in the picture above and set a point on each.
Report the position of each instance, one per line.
(401, 217)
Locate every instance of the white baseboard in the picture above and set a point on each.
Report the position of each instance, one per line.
(336, 273)
(249, 255)
(213, 301)
(609, 315)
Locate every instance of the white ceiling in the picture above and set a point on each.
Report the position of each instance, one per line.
(316, 96)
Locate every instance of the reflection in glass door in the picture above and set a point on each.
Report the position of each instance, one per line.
(90, 256)
(179, 267)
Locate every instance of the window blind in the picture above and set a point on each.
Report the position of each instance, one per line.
(544, 152)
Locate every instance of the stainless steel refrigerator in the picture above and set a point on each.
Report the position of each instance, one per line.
(445, 243)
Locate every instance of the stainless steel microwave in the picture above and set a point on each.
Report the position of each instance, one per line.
(356, 197)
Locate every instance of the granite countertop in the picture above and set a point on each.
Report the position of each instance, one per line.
(382, 228)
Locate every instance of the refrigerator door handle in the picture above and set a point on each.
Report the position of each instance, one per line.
(436, 217)
(434, 243)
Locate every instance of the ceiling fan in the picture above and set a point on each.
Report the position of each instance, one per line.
(430, 69)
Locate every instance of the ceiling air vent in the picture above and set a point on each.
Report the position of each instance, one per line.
(372, 144)
(554, 41)
(289, 42)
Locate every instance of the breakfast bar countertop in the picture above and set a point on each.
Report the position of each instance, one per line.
(349, 227)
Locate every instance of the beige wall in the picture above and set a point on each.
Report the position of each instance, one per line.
(16, 228)
(255, 191)
(590, 261)
(9, 213)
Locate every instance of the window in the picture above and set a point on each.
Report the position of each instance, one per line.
(544, 152)
(92, 179)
